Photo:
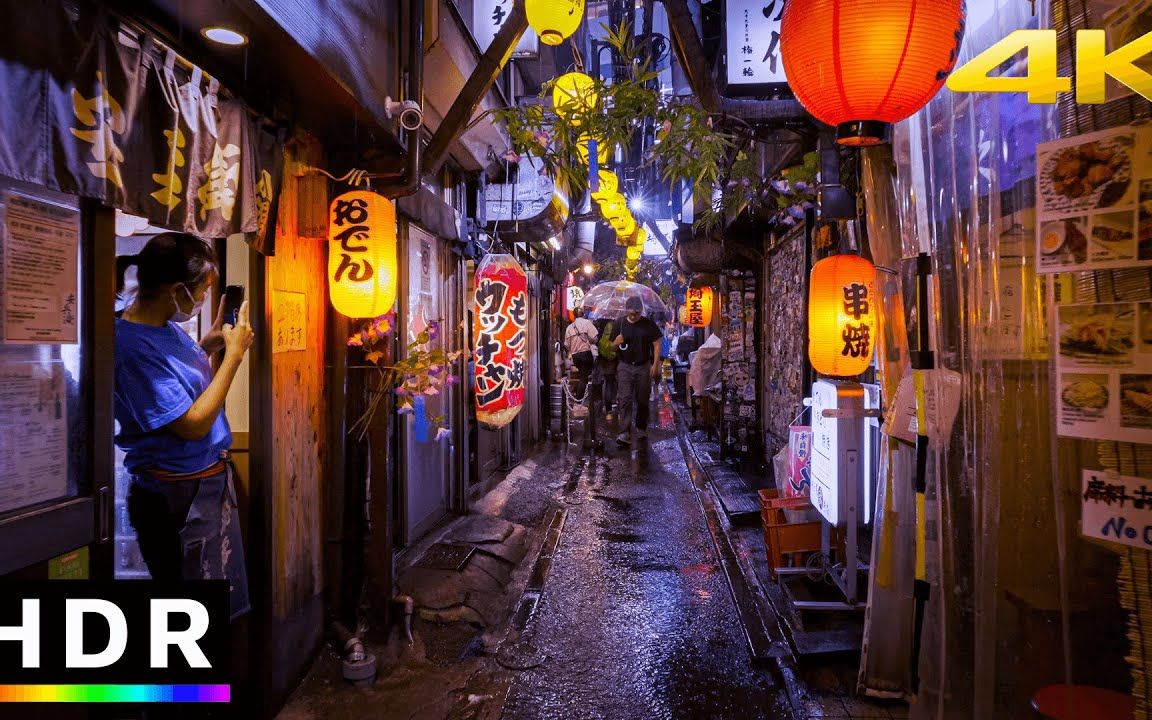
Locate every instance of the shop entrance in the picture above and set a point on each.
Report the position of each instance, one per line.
(428, 468)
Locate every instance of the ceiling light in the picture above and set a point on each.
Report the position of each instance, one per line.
(588, 268)
(636, 204)
(225, 36)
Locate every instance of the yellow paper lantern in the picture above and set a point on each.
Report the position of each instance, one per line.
(639, 238)
(842, 318)
(698, 307)
(624, 224)
(613, 206)
(602, 149)
(362, 267)
(554, 20)
(609, 185)
(574, 94)
(633, 252)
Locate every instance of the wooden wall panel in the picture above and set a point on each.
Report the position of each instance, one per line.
(298, 400)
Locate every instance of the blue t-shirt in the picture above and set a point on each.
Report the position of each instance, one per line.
(160, 372)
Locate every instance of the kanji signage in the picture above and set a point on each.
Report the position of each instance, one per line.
(575, 296)
(500, 339)
(1116, 508)
(362, 254)
(753, 31)
(488, 16)
(699, 306)
(842, 315)
(288, 321)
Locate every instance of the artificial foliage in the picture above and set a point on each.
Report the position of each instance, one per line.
(708, 151)
(425, 370)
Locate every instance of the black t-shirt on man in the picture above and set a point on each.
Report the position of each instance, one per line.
(638, 339)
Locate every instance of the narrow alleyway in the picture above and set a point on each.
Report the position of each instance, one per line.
(625, 613)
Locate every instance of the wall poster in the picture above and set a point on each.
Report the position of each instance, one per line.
(288, 313)
(40, 276)
(1094, 201)
(33, 434)
(1104, 365)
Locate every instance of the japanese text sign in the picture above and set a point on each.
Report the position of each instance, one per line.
(288, 313)
(1117, 508)
(753, 31)
(488, 16)
(500, 322)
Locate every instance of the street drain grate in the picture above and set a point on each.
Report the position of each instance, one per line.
(447, 556)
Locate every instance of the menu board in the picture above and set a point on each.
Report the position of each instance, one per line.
(40, 282)
(1094, 201)
(1104, 369)
(1116, 508)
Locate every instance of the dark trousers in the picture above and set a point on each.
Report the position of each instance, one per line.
(634, 387)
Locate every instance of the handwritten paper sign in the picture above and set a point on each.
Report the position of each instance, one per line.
(1117, 508)
(288, 321)
(41, 286)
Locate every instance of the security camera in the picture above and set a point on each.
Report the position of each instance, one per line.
(409, 112)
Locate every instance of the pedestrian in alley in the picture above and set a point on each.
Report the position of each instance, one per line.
(580, 342)
(638, 353)
(170, 407)
(606, 364)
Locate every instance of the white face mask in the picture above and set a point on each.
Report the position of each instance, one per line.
(180, 316)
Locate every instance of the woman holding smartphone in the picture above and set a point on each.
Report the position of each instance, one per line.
(169, 404)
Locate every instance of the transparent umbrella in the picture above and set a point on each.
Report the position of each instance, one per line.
(606, 301)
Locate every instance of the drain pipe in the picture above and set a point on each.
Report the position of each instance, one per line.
(491, 63)
(409, 182)
(409, 606)
(358, 665)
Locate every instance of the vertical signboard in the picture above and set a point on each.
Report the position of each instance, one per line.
(488, 16)
(753, 31)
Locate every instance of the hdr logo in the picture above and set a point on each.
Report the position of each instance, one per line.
(130, 641)
(1042, 82)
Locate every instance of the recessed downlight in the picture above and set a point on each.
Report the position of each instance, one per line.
(225, 36)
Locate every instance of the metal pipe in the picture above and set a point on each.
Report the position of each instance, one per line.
(409, 182)
(487, 70)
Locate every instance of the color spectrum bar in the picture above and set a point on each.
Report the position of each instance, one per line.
(116, 693)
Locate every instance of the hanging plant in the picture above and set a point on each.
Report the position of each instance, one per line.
(691, 145)
(424, 371)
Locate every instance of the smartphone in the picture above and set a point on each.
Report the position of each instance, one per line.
(233, 299)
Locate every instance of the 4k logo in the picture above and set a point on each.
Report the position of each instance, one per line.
(1043, 82)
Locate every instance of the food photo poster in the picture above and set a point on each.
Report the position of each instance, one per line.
(1104, 368)
(1094, 201)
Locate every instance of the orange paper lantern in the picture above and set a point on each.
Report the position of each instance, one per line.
(698, 306)
(842, 320)
(860, 65)
(362, 254)
(501, 315)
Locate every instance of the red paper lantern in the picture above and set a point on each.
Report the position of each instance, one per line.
(699, 306)
(499, 331)
(860, 65)
(842, 320)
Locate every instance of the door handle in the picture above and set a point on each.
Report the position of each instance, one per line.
(104, 514)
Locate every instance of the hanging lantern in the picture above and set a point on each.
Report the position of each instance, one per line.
(842, 320)
(609, 185)
(613, 206)
(698, 307)
(554, 20)
(602, 149)
(501, 314)
(633, 252)
(861, 65)
(624, 225)
(362, 267)
(574, 94)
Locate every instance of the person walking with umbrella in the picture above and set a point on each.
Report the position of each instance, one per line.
(638, 352)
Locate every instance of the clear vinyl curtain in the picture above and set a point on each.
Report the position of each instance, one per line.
(1018, 600)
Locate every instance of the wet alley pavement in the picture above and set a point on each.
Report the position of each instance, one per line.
(592, 589)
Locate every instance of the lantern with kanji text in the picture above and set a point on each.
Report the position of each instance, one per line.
(500, 313)
(842, 315)
(698, 306)
(861, 65)
(554, 20)
(362, 266)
